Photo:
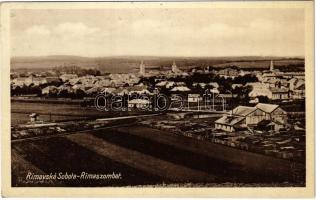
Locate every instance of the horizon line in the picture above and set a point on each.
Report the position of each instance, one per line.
(164, 56)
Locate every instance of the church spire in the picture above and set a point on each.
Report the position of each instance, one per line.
(142, 68)
(174, 67)
(271, 66)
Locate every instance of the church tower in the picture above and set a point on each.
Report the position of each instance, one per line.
(142, 68)
(271, 66)
(174, 67)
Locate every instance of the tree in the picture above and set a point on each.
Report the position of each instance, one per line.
(35, 90)
(63, 94)
(79, 94)
(24, 89)
(242, 94)
(248, 78)
(263, 99)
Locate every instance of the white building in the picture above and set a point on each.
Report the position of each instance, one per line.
(180, 89)
(139, 104)
(49, 89)
(66, 77)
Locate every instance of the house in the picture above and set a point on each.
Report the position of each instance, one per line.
(250, 117)
(13, 75)
(255, 100)
(121, 79)
(28, 81)
(49, 90)
(51, 79)
(214, 91)
(108, 90)
(33, 117)
(194, 98)
(79, 87)
(138, 89)
(162, 84)
(256, 85)
(66, 77)
(202, 85)
(35, 81)
(139, 104)
(283, 83)
(239, 117)
(180, 89)
(93, 90)
(279, 93)
(20, 81)
(234, 86)
(74, 81)
(229, 123)
(229, 72)
(103, 83)
(275, 114)
(295, 83)
(65, 88)
(243, 73)
(277, 83)
(299, 92)
(260, 90)
(251, 114)
(171, 84)
(297, 88)
(213, 84)
(120, 91)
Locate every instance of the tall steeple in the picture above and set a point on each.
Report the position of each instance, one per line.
(142, 68)
(174, 67)
(271, 66)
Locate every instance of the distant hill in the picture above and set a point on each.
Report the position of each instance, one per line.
(124, 64)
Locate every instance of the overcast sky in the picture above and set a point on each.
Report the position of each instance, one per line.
(158, 32)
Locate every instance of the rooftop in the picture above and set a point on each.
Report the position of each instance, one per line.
(268, 108)
(180, 88)
(229, 120)
(243, 110)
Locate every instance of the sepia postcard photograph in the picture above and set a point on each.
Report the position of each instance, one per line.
(209, 99)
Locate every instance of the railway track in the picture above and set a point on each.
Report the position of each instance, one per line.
(69, 133)
(94, 129)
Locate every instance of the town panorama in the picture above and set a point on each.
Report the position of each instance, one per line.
(163, 121)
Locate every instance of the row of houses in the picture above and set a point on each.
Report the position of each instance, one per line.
(34, 80)
(281, 85)
(292, 89)
(121, 91)
(113, 80)
(269, 116)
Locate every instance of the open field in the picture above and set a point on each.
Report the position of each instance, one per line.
(265, 167)
(144, 157)
(126, 64)
(264, 64)
(58, 112)
(62, 155)
(224, 170)
(22, 118)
